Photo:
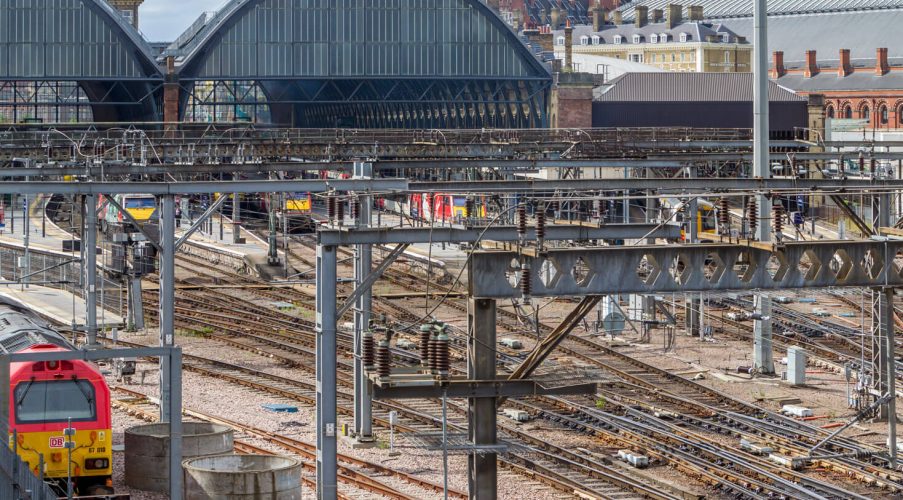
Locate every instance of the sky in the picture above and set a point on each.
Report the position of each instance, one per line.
(164, 20)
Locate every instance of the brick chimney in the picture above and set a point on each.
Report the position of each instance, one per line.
(882, 67)
(599, 18)
(811, 64)
(844, 68)
(641, 16)
(617, 17)
(569, 46)
(556, 18)
(695, 12)
(675, 14)
(777, 63)
(657, 15)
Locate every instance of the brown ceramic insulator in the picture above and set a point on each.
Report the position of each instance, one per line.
(521, 221)
(443, 363)
(368, 350)
(526, 284)
(425, 332)
(383, 359)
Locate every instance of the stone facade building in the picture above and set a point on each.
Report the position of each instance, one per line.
(128, 9)
(665, 39)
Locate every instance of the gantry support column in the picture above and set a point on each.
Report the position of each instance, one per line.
(363, 425)
(482, 469)
(170, 366)
(90, 252)
(763, 354)
(693, 314)
(884, 363)
(761, 159)
(326, 373)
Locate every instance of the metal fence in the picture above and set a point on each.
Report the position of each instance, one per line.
(18, 482)
(61, 272)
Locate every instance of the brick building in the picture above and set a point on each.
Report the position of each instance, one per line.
(861, 88)
(128, 9)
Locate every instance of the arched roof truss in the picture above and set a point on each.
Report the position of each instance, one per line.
(76, 40)
(292, 39)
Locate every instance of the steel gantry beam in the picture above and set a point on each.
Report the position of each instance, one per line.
(692, 268)
(561, 232)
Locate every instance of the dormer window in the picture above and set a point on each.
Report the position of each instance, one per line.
(725, 38)
(596, 39)
(653, 38)
(560, 41)
(684, 37)
(637, 38)
(663, 38)
(584, 40)
(618, 39)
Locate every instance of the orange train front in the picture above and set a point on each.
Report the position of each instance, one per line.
(46, 396)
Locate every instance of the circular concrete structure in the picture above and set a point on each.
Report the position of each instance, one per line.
(242, 477)
(147, 451)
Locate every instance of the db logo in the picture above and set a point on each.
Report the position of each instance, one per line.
(57, 442)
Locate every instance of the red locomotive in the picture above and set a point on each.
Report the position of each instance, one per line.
(46, 397)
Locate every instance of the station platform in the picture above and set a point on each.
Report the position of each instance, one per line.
(56, 306)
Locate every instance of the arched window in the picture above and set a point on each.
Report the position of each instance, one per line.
(584, 40)
(618, 39)
(684, 37)
(848, 112)
(830, 112)
(637, 38)
(882, 114)
(596, 39)
(725, 38)
(653, 38)
(663, 38)
(865, 113)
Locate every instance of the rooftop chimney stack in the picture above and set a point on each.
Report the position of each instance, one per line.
(657, 15)
(617, 17)
(598, 18)
(556, 18)
(777, 62)
(675, 14)
(844, 68)
(568, 46)
(811, 64)
(695, 12)
(641, 16)
(882, 67)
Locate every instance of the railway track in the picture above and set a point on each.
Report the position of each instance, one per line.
(360, 474)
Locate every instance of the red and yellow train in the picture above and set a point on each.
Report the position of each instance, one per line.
(46, 396)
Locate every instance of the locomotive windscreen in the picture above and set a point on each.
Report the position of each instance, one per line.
(54, 401)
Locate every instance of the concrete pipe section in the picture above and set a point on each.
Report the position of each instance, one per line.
(242, 477)
(147, 451)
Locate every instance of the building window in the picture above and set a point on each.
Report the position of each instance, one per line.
(618, 39)
(865, 113)
(653, 38)
(848, 112)
(637, 38)
(883, 114)
(596, 39)
(725, 37)
(683, 57)
(129, 15)
(663, 38)
(652, 58)
(684, 37)
(636, 58)
(830, 112)
(584, 40)
(560, 41)
(673, 57)
(727, 57)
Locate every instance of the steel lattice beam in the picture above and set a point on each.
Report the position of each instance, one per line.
(691, 268)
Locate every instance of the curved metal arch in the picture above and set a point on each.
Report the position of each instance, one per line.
(134, 46)
(235, 10)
